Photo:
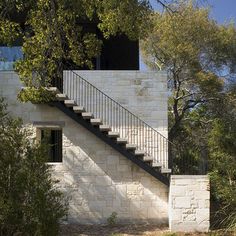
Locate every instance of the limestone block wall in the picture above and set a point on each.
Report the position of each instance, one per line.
(96, 178)
(142, 93)
(100, 181)
(189, 203)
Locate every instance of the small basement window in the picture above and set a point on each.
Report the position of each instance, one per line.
(53, 138)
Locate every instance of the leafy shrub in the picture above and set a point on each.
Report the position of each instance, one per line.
(112, 219)
(35, 95)
(30, 204)
(223, 173)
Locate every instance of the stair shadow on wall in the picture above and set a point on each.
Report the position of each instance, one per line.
(100, 181)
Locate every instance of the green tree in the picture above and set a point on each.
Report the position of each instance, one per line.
(52, 32)
(210, 132)
(30, 203)
(190, 147)
(199, 56)
(195, 50)
(222, 156)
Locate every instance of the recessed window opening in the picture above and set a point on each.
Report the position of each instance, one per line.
(52, 138)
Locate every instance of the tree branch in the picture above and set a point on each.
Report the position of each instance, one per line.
(165, 6)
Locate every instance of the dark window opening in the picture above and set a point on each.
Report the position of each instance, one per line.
(53, 138)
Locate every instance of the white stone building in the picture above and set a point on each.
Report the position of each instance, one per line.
(110, 134)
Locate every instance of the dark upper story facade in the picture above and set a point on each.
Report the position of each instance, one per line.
(118, 52)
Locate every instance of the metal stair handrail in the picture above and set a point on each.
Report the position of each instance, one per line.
(129, 126)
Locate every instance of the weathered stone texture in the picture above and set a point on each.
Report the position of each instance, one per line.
(143, 93)
(189, 201)
(96, 178)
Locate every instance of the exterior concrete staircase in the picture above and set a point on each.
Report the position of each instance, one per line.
(135, 151)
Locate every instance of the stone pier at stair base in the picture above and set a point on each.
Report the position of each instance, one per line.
(189, 203)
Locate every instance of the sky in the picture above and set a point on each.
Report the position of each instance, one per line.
(221, 10)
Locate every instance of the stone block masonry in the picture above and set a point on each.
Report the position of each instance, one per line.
(142, 93)
(189, 203)
(100, 181)
(96, 178)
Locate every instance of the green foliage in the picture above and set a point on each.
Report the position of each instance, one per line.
(52, 33)
(170, 234)
(188, 39)
(9, 31)
(123, 16)
(35, 95)
(55, 37)
(222, 153)
(209, 132)
(194, 50)
(30, 204)
(190, 145)
(112, 219)
(200, 56)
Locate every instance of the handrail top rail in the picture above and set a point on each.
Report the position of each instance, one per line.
(118, 104)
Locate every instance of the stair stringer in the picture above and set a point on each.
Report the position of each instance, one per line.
(96, 131)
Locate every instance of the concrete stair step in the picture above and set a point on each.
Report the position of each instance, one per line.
(113, 134)
(61, 97)
(147, 159)
(139, 153)
(70, 103)
(107, 128)
(78, 109)
(96, 121)
(122, 140)
(104, 128)
(130, 146)
(87, 115)
(157, 165)
(53, 90)
(165, 171)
